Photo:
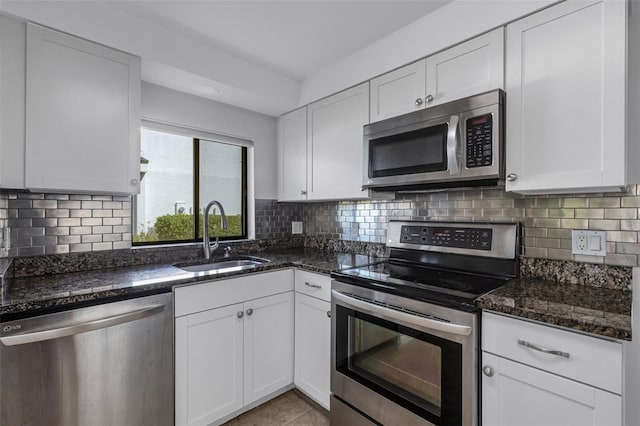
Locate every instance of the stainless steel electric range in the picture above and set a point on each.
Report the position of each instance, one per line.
(405, 332)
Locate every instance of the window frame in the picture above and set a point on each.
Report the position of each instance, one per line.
(206, 137)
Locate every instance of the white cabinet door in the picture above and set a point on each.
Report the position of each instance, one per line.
(82, 115)
(208, 365)
(518, 395)
(268, 340)
(292, 156)
(398, 92)
(467, 69)
(565, 82)
(313, 348)
(334, 138)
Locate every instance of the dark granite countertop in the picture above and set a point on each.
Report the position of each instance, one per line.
(597, 310)
(40, 294)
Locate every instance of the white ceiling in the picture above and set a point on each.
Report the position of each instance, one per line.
(255, 54)
(294, 38)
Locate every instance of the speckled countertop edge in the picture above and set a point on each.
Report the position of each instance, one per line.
(29, 295)
(598, 311)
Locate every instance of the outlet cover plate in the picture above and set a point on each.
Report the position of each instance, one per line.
(590, 243)
(296, 227)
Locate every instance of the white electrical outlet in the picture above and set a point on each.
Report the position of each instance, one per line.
(296, 227)
(590, 243)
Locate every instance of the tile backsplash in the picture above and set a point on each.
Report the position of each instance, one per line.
(54, 223)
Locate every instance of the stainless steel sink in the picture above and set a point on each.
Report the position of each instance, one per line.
(224, 265)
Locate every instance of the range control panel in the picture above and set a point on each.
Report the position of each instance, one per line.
(479, 141)
(471, 238)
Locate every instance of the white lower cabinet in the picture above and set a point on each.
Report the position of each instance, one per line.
(229, 358)
(536, 375)
(313, 336)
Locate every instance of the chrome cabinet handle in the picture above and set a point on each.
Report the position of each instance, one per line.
(544, 350)
(418, 101)
(488, 371)
(54, 333)
(240, 314)
(329, 314)
(303, 192)
(511, 177)
(134, 181)
(308, 284)
(394, 314)
(429, 98)
(249, 311)
(452, 145)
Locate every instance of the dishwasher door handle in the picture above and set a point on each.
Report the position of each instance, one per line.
(70, 330)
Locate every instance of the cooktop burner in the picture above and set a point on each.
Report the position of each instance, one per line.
(447, 264)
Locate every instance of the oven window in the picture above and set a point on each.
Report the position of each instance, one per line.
(418, 151)
(416, 370)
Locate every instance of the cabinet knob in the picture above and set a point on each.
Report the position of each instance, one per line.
(488, 371)
(249, 311)
(418, 101)
(134, 181)
(429, 98)
(240, 314)
(303, 192)
(329, 314)
(511, 177)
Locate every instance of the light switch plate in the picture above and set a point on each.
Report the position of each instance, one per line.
(296, 227)
(590, 243)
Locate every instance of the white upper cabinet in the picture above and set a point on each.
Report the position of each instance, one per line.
(82, 115)
(472, 67)
(467, 69)
(565, 84)
(292, 156)
(398, 92)
(334, 145)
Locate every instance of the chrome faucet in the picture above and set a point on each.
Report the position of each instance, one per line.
(208, 247)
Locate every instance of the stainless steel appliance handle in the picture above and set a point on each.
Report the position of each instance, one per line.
(452, 145)
(432, 324)
(544, 350)
(55, 333)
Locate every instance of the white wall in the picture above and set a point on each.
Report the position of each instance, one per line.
(173, 107)
(449, 25)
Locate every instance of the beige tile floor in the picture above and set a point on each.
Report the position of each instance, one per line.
(289, 409)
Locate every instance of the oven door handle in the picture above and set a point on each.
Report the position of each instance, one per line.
(432, 324)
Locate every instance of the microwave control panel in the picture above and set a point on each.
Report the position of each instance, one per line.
(479, 141)
(471, 238)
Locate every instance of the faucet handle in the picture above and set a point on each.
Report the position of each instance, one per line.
(227, 251)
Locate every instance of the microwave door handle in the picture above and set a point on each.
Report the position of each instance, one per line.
(452, 145)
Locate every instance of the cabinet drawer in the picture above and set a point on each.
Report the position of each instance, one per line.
(590, 360)
(222, 292)
(312, 284)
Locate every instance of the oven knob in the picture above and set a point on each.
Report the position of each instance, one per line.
(488, 371)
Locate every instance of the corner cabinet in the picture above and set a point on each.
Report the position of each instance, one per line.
(233, 345)
(292, 156)
(320, 148)
(313, 336)
(565, 82)
(468, 68)
(533, 374)
(82, 125)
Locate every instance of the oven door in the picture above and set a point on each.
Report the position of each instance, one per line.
(399, 364)
(399, 154)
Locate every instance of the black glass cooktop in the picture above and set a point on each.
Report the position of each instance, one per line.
(434, 285)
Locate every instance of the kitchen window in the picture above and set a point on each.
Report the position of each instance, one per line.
(179, 175)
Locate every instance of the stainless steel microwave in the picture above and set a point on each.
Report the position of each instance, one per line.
(459, 143)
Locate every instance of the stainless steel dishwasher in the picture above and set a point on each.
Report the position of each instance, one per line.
(108, 364)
